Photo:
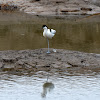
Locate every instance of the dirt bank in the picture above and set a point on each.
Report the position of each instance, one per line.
(56, 7)
(38, 60)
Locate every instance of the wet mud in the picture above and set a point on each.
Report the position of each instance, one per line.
(61, 8)
(8, 7)
(38, 60)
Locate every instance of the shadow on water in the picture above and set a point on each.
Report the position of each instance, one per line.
(47, 87)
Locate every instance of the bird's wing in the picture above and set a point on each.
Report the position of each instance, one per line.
(53, 31)
(50, 33)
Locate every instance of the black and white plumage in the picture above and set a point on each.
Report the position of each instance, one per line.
(48, 33)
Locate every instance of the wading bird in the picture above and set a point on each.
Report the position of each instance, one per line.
(48, 33)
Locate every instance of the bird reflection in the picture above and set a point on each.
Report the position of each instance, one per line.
(47, 87)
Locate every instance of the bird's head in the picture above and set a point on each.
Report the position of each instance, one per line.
(44, 27)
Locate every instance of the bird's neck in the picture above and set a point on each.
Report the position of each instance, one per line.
(45, 29)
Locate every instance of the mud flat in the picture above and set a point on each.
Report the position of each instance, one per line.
(37, 60)
(53, 7)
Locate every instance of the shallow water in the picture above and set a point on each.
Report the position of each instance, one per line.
(20, 31)
(59, 87)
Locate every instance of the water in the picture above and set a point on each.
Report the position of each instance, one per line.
(20, 31)
(66, 87)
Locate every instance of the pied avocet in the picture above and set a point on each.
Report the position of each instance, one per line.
(48, 33)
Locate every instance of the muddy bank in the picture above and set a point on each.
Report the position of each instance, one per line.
(55, 7)
(38, 60)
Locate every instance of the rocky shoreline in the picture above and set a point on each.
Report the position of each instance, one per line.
(38, 60)
(53, 7)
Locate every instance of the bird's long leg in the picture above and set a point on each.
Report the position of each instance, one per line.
(48, 45)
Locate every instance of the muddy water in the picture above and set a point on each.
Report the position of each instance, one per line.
(58, 87)
(19, 31)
